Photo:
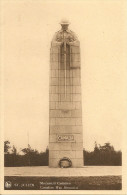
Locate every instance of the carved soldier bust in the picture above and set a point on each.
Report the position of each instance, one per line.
(65, 34)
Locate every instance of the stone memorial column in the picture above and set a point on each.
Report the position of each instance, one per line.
(65, 109)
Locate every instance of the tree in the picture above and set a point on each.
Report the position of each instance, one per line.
(29, 150)
(14, 150)
(107, 147)
(31, 155)
(6, 147)
(96, 148)
(104, 155)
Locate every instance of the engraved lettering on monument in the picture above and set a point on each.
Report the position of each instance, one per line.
(65, 110)
(64, 138)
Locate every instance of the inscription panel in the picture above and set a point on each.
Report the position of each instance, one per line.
(65, 138)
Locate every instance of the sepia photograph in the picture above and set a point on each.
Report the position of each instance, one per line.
(63, 96)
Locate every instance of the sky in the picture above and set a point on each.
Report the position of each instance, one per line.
(27, 31)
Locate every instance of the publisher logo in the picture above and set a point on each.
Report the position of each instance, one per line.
(8, 184)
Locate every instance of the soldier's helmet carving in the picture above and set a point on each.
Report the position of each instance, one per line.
(64, 22)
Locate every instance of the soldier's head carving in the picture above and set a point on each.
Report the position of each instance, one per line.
(64, 24)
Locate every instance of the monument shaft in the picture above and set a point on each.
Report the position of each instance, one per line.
(65, 110)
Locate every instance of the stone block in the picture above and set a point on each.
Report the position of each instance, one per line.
(54, 162)
(77, 162)
(76, 113)
(61, 82)
(65, 98)
(69, 154)
(66, 105)
(54, 81)
(77, 129)
(76, 97)
(75, 57)
(62, 66)
(71, 73)
(77, 105)
(57, 73)
(67, 59)
(65, 129)
(54, 154)
(52, 121)
(66, 121)
(78, 121)
(52, 138)
(59, 113)
(75, 64)
(53, 113)
(53, 73)
(62, 73)
(52, 105)
(77, 146)
(72, 89)
(78, 137)
(76, 73)
(79, 154)
(54, 146)
(76, 81)
(53, 97)
(61, 89)
(54, 66)
(77, 89)
(72, 81)
(69, 81)
(65, 113)
(69, 89)
(74, 50)
(54, 50)
(61, 146)
(54, 57)
(53, 89)
(68, 74)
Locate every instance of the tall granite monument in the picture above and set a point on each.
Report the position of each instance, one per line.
(65, 109)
